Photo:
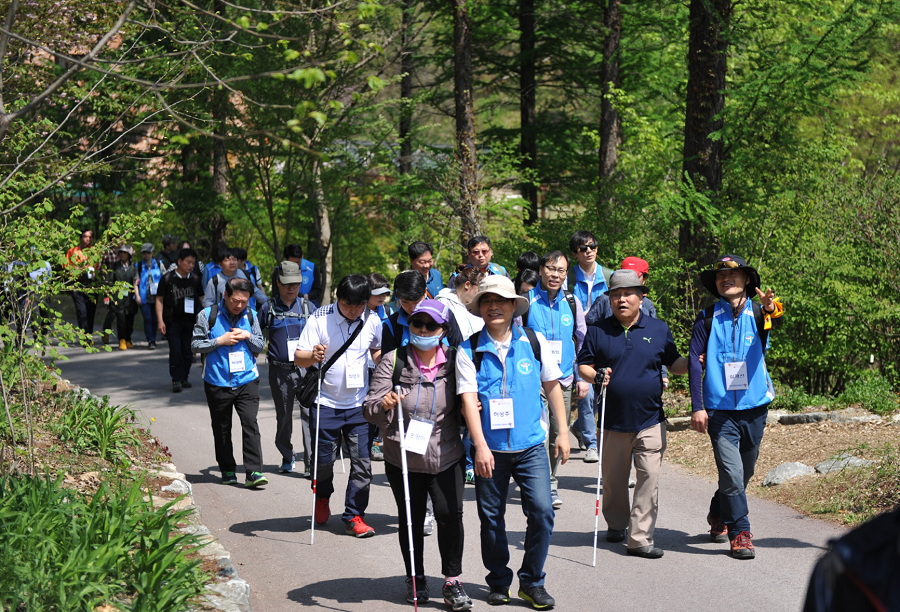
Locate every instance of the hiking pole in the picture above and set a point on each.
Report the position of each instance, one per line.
(315, 456)
(343, 467)
(599, 463)
(409, 535)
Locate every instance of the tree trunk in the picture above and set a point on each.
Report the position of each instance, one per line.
(610, 122)
(707, 66)
(465, 117)
(527, 94)
(220, 116)
(406, 89)
(323, 232)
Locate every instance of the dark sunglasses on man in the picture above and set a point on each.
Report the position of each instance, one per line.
(584, 247)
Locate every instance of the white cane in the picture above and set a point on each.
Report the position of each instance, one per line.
(409, 535)
(315, 458)
(343, 467)
(599, 465)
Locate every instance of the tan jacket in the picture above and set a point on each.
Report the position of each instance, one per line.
(445, 447)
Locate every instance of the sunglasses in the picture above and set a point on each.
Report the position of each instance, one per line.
(584, 248)
(722, 265)
(424, 324)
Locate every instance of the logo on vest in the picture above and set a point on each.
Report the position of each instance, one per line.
(525, 366)
(305, 278)
(748, 339)
(566, 320)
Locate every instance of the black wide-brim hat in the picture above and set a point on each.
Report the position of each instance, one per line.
(730, 262)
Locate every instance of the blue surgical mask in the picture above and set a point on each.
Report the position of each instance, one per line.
(425, 343)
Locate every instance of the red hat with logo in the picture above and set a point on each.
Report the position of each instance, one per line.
(637, 264)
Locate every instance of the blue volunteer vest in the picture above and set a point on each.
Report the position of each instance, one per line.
(523, 384)
(209, 271)
(308, 270)
(555, 321)
(216, 369)
(746, 347)
(580, 286)
(151, 273)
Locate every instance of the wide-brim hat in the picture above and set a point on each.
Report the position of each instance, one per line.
(127, 248)
(730, 262)
(626, 279)
(503, 287)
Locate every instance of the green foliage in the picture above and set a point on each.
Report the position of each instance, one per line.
(88, 424)
(871, 392)
(63, 551)
(859, 494)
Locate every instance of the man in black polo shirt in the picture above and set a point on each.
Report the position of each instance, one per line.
(282, 319)
(179, 298)
(632, 347)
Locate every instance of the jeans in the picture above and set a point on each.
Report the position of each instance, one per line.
(550, 442)
(150, 323)
(736, 436)
(531, 471)
(586, 422)
(245, 401)
(350, 427)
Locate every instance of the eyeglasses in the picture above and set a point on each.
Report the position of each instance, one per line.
(721, 265)
(492, 301)
(480, 251)
(424, 324)
(584, 248)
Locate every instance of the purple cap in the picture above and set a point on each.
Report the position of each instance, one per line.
(438, 311)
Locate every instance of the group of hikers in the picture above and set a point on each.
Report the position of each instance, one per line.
(483, 374)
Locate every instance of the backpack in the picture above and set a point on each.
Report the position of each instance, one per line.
(214, 313)
(532, 338)
(757, 314)
(400, 357)
(271, 316)
(570, 298)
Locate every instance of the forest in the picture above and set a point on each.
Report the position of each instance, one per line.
(675, 131)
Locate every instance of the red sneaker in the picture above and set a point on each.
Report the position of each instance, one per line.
(356, 527)
(742, 546)
(323, 512)
(718, 531)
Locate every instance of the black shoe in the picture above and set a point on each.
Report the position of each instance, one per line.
(229, 478)
(176, 386)
(498, 596)
(151, 346)
(538, 597)
(255, 479)
(647, 552)
(186, 384)
(421, 590)
(615, 535)
(455, 596)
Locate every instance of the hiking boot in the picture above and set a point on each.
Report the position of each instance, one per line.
(555, 500)
(428, 525)
(151, 346)
(470, 477)
(323, 511)
(498, 596)
(421, 596)
(592, 456)
(538, 597)
(186, 384)
(742, 546)
(647, 552)
(123, 346)
(455, 596)
(229, 478)
(129, 344)
(357, 528)
(615, 535)
(287, 467)
(255, 479)
(375, 453)
(718, 531)
(176, 386)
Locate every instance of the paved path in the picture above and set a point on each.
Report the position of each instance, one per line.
(268, 531)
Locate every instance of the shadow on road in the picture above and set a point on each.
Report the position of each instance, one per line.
(331, 594)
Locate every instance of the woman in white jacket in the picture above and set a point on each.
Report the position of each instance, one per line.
(467, 280)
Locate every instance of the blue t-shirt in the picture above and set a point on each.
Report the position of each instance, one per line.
(634, 394)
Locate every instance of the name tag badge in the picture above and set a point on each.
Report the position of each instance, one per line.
(556, 350)
(418, 434)
(736, 378)
(189, 305)
(502, 413)
(236, 362)
(153, 288)
(292, 348)
(355, 378)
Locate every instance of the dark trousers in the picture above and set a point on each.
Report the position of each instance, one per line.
(178, 333)
(148, 311)
(85, 310)
(284, 382)
(245, 401)
(349, 426)
(124, 323)
(109, 318)
(446, 490)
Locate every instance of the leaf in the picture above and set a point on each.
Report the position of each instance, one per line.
(375, 83)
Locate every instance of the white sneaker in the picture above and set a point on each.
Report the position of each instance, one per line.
(591, 456)
(428, 525)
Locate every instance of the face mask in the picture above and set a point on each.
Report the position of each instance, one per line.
(425, 343)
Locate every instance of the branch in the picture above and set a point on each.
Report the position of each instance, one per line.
(4, 41)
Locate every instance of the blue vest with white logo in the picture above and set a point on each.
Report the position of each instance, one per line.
(746, 347)
(148, 273)
(216, 370)
(523, 384)
(580, 286)
(209, 271)
(555, 321)
(307, 269)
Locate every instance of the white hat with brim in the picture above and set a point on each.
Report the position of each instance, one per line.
(501, 286)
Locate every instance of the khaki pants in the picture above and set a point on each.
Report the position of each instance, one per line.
(646, 447)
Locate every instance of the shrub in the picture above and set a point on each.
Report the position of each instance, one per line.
(88, 424)
(871, 392)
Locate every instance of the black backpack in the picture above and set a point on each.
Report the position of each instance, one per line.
(570, 298)
(757, 314)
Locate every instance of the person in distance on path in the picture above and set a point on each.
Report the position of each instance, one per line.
(177, 304)
(632, 347)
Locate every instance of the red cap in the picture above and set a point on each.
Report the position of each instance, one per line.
(637, 264)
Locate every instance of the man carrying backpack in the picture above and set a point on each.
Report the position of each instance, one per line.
(731, 400)
(283, 317)
(505, 367)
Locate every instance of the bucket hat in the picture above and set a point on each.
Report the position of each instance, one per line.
(626, 279)
(730, 262)
(503, 287)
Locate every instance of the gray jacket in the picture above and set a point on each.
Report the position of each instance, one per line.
(445, 447)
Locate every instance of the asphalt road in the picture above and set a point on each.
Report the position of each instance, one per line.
(268, 531)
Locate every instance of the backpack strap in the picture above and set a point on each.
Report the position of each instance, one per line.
(213, 314)
(607, 274)
(570, 298)
(395, 373)
(532, 338)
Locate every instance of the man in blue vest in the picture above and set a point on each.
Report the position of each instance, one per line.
(421, 259)
(505, 367)
(480, 254)
(229, 334)
(558, 315)
(731, 400)
(230, 264)
(283, 318)
(149, 275)
(588, 281)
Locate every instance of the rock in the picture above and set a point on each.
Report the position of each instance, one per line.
(850, 415)
(181, 487)
(169, 475)
(841, 462)
(678, 423)
(62, 386)
(774, 416)
(786, 471)
(895, 419)
(232, 596)
(794, 418)
(167, 467)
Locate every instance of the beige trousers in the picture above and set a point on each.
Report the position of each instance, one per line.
(646, 447)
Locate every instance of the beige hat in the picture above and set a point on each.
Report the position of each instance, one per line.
(289, 273)
(502, 286)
